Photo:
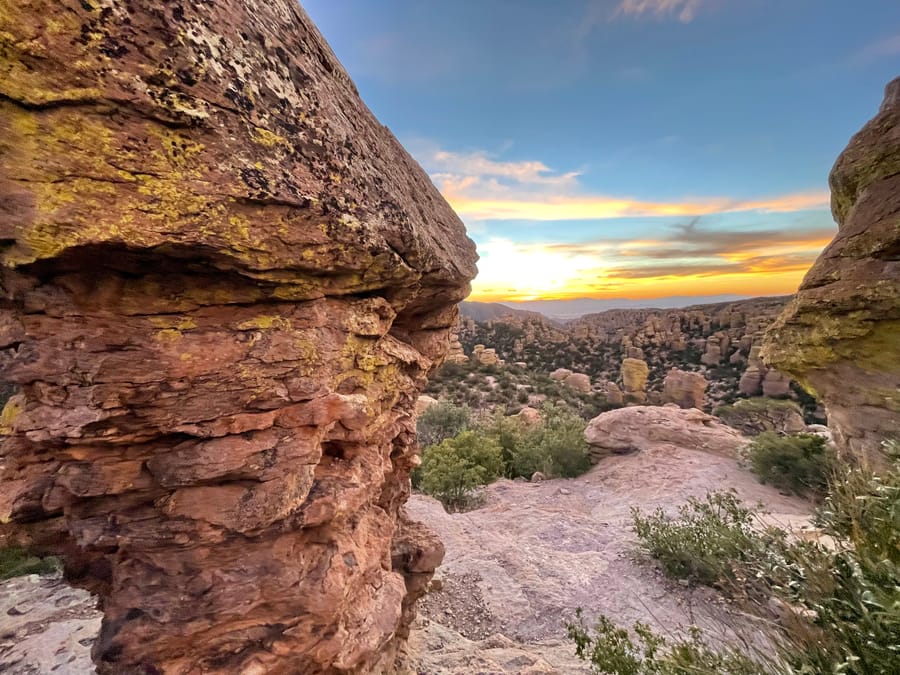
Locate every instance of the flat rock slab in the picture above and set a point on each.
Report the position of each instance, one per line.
(46, 627)
(537, 551)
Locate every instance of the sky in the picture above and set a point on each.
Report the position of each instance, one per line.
(625, 148)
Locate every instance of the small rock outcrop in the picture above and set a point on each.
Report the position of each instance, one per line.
(579, 382)
(223, 286)
(560, 374)
(755, 415)
(684, 389)
(614, 395)
(840, 336)
(636, 428)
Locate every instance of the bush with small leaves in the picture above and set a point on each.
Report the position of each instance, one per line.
(611, 649)
(453, 469)
(798, 463)
(554, 447)
(441, 421)
(843, 598)
(706, 543)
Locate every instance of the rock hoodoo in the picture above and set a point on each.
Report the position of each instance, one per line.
(840, 336)
(634, 380)
(224, 283)
(684, 388)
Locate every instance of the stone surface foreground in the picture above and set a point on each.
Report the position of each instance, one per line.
(840, 336)
(223, 285)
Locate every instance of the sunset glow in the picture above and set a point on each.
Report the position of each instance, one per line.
(625, 148)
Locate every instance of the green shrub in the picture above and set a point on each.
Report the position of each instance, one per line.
(555, 447)
(611, 649)
(842, 599)
(852, 589)
(17, 562)
(453, 469)
(441, 421)
(798, 463)
(705, 543)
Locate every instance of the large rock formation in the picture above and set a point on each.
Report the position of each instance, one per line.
(224, 283)
(840, 336)
(637, 428)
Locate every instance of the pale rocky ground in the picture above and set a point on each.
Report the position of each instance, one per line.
(518, 567)
(46, 627)
(514, 572)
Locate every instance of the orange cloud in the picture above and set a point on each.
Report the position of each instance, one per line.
(746, 263)
(576, 207)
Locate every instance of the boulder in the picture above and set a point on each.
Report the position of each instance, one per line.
(775, 384)
(225, 283)
(751, 381)
(713, 354)
(560, 374)
(684, 388)
(487, 357)
(424, 402)
(529, 415)
(579, 382)
(839, 335)
(639, 427)
(614, 395)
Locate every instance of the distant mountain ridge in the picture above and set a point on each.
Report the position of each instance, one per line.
(490, 311)
(568, 310)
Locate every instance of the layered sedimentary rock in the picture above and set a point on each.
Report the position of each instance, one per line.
(224, 284)
(840, 336)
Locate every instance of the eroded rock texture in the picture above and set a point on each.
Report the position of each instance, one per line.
(840, 336)
(223, 286)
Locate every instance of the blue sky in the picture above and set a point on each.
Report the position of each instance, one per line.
(578, 134)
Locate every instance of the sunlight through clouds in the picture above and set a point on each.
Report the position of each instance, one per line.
(765, 249)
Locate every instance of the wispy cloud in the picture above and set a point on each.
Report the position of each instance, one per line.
(482, 187)
(683, 10)
(884, 48)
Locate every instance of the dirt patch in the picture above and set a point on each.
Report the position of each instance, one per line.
(459, 605)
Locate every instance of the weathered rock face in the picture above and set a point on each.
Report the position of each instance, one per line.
(224, 284)
(685, 389)
(641, 427)
(840, 336)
